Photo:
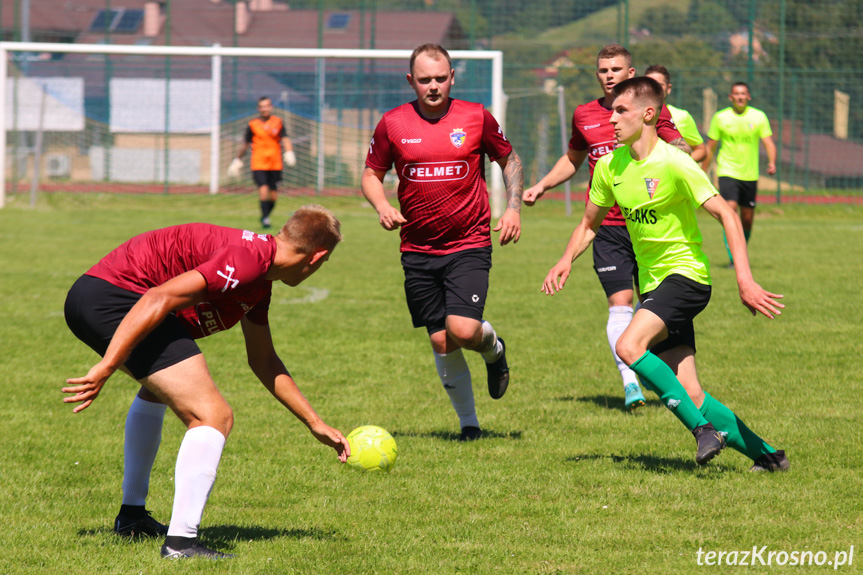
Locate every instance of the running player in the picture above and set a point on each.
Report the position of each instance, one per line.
(270, 147)
(438, 144)
(740, 127)
(683, 120)
(613, 258)
(658, 189)
(141, 308)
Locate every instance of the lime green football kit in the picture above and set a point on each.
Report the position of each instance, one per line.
(685, 124)
(658, 196)
(740, 135)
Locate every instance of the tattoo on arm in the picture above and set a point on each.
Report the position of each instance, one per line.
(681, 144)
(513, 179)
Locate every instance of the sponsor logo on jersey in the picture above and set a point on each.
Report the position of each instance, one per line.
(590, 127)
(410, 140)
(436, 171)
(652, 184)
(457, 137)
(640, 215)
(208, 318)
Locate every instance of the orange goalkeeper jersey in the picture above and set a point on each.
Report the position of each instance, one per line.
(266, 139)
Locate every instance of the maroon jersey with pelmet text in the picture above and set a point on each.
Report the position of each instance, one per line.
(233, 262)
(592, 131)
(441, 169)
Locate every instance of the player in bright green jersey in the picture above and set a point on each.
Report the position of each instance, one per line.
(740, 128)
(683, 120)
(658, 188)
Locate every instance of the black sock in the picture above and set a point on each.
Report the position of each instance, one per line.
(267, 207)
(177, 542)
(132, 510)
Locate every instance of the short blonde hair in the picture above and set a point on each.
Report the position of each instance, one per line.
(312, 227)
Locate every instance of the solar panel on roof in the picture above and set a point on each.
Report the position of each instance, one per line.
(338, 21)
(130, 21)
(103, 20)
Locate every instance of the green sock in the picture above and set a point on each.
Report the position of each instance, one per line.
(746, 234)
(727, 249)
(739, 436)
(654, 372)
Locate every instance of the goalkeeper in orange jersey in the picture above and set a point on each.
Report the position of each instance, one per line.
(270, 147)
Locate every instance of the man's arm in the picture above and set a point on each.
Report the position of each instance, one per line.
(753, 296)
(564, 169)
(709, 152)
(699, 152)
(185, 290)
(581, 237)
(770, 147)
(509, 225)
(372, 184)
(681, 144)
(269, 368)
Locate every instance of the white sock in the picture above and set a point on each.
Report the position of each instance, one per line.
(455, 376)
(194, 476)
(141, 444)
(619, 317)
(490, 348)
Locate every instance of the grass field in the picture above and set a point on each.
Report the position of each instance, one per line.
(564, 481)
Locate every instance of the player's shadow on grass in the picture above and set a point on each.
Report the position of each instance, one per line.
(225, 536)
(453, 436)
(609, 401)
(662, 465)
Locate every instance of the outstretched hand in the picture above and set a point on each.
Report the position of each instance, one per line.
(332, 437)
(87, 388)
(757, 299)
(557, 276)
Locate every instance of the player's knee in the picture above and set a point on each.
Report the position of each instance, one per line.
(629, 350)
(465, 334)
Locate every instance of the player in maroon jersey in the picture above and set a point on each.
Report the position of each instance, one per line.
(141, 308)
(438, 145)
(613, 257)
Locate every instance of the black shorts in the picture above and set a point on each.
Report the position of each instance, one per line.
(269, 178)
(677, 300)
(742, 192)
(614, 259)
(94, 308)
(438, 286)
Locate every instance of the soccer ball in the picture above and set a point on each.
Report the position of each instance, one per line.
(372, 449)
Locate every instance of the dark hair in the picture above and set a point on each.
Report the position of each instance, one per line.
(262, 98)
(744, 84)
(659, 69)
(612, 51)
(433, 50)
(643, 89)
(312, 227)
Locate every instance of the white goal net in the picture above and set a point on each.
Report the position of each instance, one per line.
(146, 119)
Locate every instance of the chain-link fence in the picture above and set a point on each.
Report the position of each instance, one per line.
(801, 58)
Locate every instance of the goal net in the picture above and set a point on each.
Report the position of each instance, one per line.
(147, 119)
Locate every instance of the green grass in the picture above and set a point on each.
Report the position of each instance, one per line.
(564, 482)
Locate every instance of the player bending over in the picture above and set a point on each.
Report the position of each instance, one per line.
(141, 308)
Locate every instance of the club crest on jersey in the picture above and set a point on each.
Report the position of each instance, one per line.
(652, 184)
(457, 137)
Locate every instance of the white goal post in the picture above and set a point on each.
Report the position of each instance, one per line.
(36, 110)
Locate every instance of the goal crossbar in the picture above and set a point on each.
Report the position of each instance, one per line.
(216, 52)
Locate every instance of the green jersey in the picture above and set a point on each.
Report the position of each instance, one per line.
(658, 196)
(685, 124)
(740, 134)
